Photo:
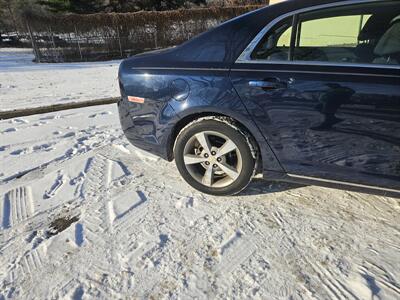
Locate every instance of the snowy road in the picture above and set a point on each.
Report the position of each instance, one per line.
(96, 217)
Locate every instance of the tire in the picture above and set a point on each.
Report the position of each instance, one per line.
(219, 173)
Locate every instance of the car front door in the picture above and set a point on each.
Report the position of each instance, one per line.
(325, 92)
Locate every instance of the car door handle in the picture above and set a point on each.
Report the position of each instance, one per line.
(269, 85)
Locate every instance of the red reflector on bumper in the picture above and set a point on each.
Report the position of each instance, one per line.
(135, 99)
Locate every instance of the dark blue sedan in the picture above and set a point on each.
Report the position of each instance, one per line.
(302, 91)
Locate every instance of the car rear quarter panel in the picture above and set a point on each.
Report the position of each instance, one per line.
(151, 125)
(145, 124)
(212, 93)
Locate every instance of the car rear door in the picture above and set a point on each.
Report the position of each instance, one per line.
(327, 102)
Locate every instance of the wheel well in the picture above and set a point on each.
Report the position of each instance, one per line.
(188, 119)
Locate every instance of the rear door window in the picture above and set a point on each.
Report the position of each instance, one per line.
(348, 34)
(275, 45)
(332, 39)
(367, 33)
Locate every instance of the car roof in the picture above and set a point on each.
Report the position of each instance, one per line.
(228, 40)
(221, 46)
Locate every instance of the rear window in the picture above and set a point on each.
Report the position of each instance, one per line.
(364, 33)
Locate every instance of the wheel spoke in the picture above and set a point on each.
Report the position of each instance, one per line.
(212, 159)
(191, 159)
(204, 142)
(208, 176)
(229, 146)
(231, 172)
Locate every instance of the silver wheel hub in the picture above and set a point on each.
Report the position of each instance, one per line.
(212, 159)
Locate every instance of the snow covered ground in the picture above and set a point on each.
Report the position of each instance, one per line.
(83, 214)
(24, 84)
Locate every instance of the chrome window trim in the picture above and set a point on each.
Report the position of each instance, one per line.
(320, 63)
(317, 72)
(261, 70)
(245, 56)
(180, 69)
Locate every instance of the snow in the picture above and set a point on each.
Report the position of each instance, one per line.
(83, 214)
(24, 84)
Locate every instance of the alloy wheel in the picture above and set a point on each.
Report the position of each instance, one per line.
(212, 159)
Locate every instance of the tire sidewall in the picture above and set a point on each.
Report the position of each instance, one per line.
(248, 162)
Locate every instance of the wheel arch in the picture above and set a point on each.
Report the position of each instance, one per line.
(265, 159)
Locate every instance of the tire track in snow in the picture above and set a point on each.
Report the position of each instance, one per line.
(381, 275)
(332, 286)
(337, 289)
(93, 232)
(234, 252)
(32, 261)
(130, 216)
(17, 206)
(28, 264)
(94, 217)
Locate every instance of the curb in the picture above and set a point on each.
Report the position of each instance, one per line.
(4, 115)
